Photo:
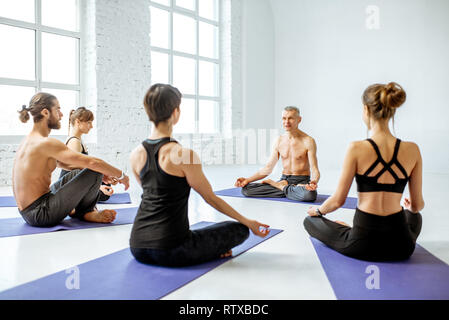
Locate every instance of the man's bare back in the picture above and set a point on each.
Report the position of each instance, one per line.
(32, 170)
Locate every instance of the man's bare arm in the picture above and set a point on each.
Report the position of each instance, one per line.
(65, 166)
(75, 145)
(263, 172)
(59, 151)
(313, 161)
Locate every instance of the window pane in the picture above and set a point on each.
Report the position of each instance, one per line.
(184, 74)
(208, 79)
(164, 2)
(61, 14)
(17, 57)
(208, 112)
(159, 67)
(208, 9)
(187, 4)
(186, 122)
(160, 28)
(17, 9)
(208, 40)
(68, 100)
(11, 100)
(59, 58)
(184, 34)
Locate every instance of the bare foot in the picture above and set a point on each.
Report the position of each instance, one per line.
(280, 185)
(72, 213)
(103, 216)
(342, 223)
(227, 254)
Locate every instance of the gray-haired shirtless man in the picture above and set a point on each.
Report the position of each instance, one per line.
(75, 194)
(300, 175)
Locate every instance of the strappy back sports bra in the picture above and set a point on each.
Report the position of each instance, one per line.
(370, 184)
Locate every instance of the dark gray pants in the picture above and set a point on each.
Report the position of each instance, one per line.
(76, 190)
(291, 191)
(203, 245)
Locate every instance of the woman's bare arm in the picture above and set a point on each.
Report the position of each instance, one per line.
(415, 184)
(197, 180)
(344, 184)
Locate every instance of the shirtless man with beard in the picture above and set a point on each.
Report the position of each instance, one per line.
(75, 194)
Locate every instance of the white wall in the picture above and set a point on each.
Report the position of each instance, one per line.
(257, 63)
(325, 57)
(120, 57)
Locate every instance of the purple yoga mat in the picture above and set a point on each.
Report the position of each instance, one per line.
(18, 227)
(350, 203)
(116, 198)
(7, 201)
(119, 276)
(422, 277)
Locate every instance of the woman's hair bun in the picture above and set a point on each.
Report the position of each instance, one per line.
(392, 96)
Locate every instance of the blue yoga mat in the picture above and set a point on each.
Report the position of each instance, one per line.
(422, 277)
(116, 198)
(18, 227)
(119, 276)
(350, 203)
(7, 201)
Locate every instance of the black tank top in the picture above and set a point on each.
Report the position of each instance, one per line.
(370, 184)
(83, 151)
(162, 220)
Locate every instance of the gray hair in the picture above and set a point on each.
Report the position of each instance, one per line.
(292, 108)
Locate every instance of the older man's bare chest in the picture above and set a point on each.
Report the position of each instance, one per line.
(293, 150)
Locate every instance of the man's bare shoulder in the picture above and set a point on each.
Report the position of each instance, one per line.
(49, 142)
(308, 140)
(279, 141)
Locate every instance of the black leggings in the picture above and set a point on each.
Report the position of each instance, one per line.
(372, 237)
(291, 191)
(203, 245)
(76, 190)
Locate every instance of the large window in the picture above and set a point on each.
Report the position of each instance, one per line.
(40, 51)
(185, 53)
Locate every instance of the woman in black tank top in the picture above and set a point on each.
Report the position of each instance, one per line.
(161, 234)
(80, 123)
(382, 229)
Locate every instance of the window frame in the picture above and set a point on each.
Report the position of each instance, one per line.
(172, 9)
(38, 84)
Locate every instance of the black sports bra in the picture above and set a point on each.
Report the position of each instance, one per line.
(370, 184)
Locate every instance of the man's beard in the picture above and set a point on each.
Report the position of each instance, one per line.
(53, 123)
